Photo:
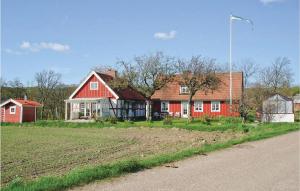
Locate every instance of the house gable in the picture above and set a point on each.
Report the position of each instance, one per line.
(84, 89)
(11, 117)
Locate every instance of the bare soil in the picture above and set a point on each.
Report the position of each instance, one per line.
(31, 152)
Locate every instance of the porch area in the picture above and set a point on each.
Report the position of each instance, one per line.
(90, 109)
(87, 109)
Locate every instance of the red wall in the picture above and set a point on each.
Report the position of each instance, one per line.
(85, 91)
(2, 114)
(224, 110)
(28, 114)
(175, 106)
(12, 118)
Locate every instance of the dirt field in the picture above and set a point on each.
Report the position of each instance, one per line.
(30, 152)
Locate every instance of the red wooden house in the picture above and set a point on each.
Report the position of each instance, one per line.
(18, 111)
(95, 98)
(172, 98)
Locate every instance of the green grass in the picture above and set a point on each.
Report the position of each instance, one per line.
(98, 172)
(215, 124)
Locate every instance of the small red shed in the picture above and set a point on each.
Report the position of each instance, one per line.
(18, 111)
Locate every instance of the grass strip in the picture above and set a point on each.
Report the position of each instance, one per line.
(90, 174)
(177, 123)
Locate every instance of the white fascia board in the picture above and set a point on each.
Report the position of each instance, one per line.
(87, 78)
(11, 100)
(106, 85)
(82, 83)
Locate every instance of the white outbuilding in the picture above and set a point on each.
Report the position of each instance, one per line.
(278, 108)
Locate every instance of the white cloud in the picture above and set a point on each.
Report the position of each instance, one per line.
(25, 45)
(35, 47)
(165, 35)
(10, 51)
(270, 1)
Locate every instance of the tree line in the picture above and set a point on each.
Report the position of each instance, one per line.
(49, 91)
(148, 73)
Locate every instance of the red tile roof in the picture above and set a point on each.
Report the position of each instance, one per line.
(28, 103)
(171, 91)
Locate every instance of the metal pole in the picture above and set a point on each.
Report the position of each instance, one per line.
(230, 64)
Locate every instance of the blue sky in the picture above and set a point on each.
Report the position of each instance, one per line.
(72, 36)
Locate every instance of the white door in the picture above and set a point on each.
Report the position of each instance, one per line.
(184, 109)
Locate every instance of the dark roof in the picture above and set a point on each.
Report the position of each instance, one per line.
(105, 77)
(128, 93)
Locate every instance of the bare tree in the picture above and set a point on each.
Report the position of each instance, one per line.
(148, 73)
(47, 84)
(277, 76)
(129, 73)
(12, 89)
(3, 82)
(269, 108)
(249, 69)
(197, 74)
(154, 71)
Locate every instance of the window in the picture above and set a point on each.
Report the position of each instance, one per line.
(93, 85)
(198, 106)
(164, 106)
(184, 90)
(12, 110)
(215, 106)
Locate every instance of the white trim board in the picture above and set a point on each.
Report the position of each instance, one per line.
(99, 78)
(15, 108)
(11, 100)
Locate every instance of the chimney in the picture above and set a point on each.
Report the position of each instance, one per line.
(111, 72)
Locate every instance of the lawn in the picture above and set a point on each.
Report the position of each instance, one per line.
(32, 151)
(209, 124)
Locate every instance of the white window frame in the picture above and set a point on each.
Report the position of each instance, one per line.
(184, 88)
(12, 107)
(197, 103)
(213, 103)
(161, 106)
(91, 84)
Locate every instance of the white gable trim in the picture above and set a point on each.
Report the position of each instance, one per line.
(11, 100)
(99, 78)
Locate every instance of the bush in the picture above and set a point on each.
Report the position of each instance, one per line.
(207, 119)
(130, 122)
(251, 118)
(297, 116)
(167, 120)
(112, 120)
(233, 119)
(245, 128)
(81, 114)
(99, 120)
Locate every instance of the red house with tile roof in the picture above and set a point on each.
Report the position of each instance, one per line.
(172, 99)
(18, 111)
(95, 98)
